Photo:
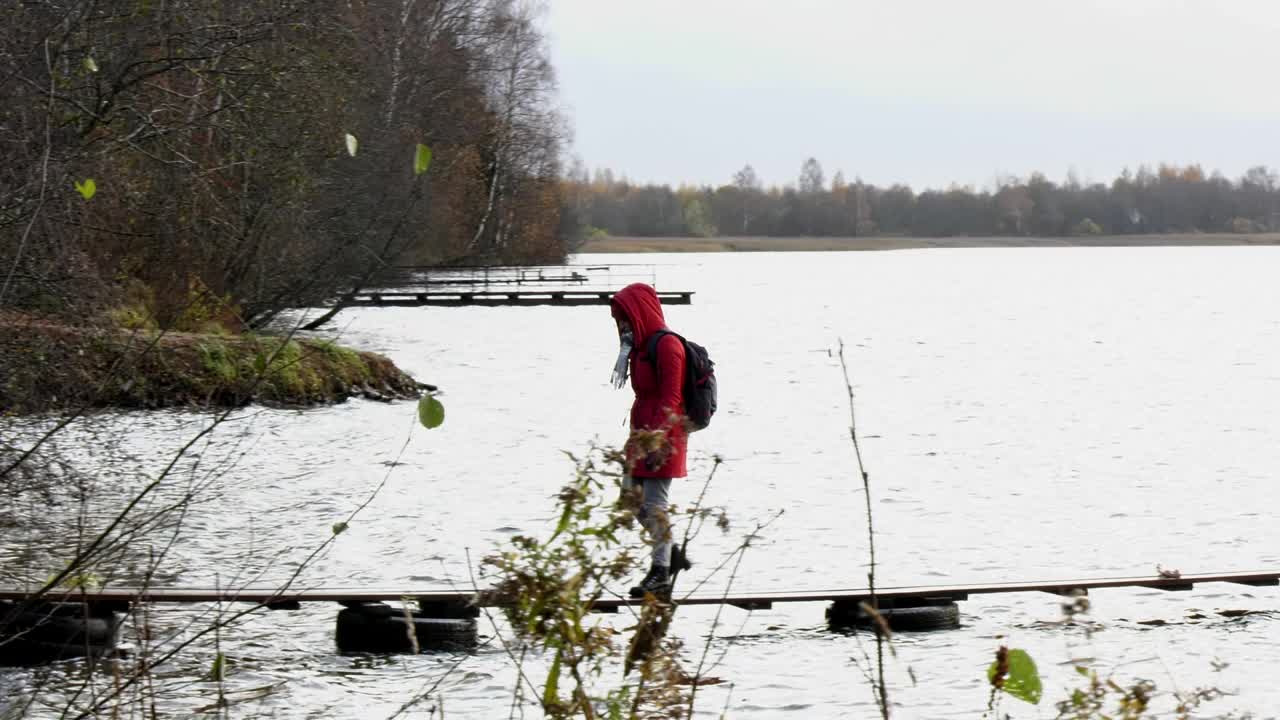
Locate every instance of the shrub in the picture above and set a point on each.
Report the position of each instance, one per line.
(1087, 227)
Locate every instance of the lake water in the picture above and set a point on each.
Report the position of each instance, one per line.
(1025, 414)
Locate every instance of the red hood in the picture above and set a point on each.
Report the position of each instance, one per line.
(639, 303)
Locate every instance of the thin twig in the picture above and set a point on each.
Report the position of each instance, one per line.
(424, 694)
(498, 633)
(44, 175)
(689, 532)
(715, 621)
(730, 557)
(881, 690)
(147, 665)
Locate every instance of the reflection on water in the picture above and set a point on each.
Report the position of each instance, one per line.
(1026, 415)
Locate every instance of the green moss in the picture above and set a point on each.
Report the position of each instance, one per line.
(217, 361)
(345, 362)
(68, 367)
(284, 376)
(307, 371)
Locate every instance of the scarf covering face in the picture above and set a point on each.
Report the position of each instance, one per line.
(638, 304)
(627, 341)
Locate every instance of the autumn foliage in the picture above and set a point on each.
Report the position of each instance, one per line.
(259, 155)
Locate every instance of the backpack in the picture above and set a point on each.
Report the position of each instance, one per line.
(699, 387)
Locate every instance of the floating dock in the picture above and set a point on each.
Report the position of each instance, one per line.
(494, 298)
(887, 596)
(556, 285)
(38, 627)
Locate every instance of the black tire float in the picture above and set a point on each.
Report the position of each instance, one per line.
(380, 628)
(914, 617)
(49, 631)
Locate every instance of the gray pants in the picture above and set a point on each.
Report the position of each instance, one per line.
(653, 516)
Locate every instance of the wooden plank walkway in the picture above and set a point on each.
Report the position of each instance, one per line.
(571, 279)
(888, 596)
(495, 298)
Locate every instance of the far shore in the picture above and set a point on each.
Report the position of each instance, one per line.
(837, 244)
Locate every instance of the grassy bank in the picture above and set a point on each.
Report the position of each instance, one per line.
(835, 244)
(49, 367)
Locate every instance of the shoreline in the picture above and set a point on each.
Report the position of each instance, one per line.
(851, 244)
(46, 366)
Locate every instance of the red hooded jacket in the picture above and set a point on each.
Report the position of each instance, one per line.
(659, 391)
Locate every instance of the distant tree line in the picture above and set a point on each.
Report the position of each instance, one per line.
(263, 153)
(1167, 199)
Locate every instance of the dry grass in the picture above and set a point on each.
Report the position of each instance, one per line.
(836, 244)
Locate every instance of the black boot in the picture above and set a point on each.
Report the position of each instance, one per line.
(658, 582)
(679, 559)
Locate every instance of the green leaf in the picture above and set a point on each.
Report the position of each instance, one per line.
(85, 579)
(87, 188)
(90, 65)
(260, 363)
(352, 144)
(1023, 680)
(565, 518)
(219, 667)
(551, 691)
(430, 412)
(1082, 671)
(339, 528)
(421, 159)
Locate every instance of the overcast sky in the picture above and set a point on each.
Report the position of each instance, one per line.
(926, 92)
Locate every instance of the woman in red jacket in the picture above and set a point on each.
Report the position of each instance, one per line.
(656, 448)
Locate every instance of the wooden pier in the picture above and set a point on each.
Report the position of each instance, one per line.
(495, 298)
